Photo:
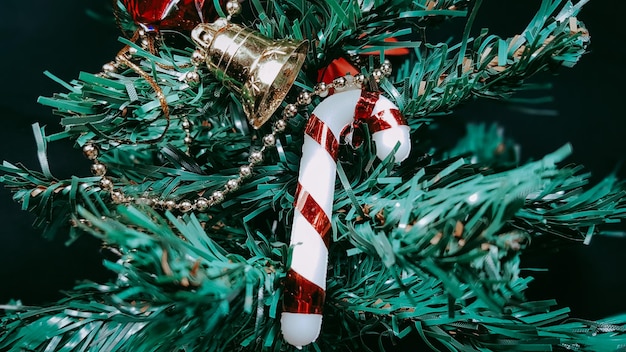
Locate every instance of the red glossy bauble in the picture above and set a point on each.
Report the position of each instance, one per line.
(171, 14)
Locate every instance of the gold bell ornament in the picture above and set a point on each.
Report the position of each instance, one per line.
(259, 69)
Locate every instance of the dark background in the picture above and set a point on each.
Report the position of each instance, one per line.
(60, 37)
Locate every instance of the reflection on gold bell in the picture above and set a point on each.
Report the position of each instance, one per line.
(260, 69)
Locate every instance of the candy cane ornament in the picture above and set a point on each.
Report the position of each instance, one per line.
(305, 284)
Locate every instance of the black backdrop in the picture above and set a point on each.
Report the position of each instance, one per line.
(59, 36)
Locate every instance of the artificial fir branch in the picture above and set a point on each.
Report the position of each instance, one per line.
(484, 284)
(441, 76)
(431, 249)
(122, 106)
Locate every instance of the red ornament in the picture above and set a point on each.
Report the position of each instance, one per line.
(170, 14)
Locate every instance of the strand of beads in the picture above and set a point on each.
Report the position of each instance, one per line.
(118, 196)
(188, 140)
(202, 203)
(338, 84)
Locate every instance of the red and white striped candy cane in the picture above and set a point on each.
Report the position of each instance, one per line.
(305, 284)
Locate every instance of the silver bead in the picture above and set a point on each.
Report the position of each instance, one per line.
(106, 184)
(255, 157)
(202, 204)
(232, 184)
(192, 77)
(110, 67)
(197, 57)
(186, 124)
(117, 197)
(321, 89)
(339, 83)
(349, 80)
(245, 171)
(359, 79)
(290, 110)
(304, 98)
(132, 50)
(377, 75)
(279, 126)
(98, 169)
(217, 197)
(185, 206)
(169, 205)
(269, 140)
(188, 140)
(233, 7)
(144, 201)
(90, 151)
(386, 68)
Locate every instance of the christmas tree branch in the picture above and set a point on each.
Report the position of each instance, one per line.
(169, 273)
(432, 249)
(395, 285)
(441, 77)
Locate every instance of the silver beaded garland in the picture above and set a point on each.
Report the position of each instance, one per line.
(188, 140)
(245, 171)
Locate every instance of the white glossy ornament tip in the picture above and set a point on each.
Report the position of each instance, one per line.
(300, 329)
(386, 140)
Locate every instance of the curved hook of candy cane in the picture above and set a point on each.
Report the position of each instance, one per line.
(305, 284)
